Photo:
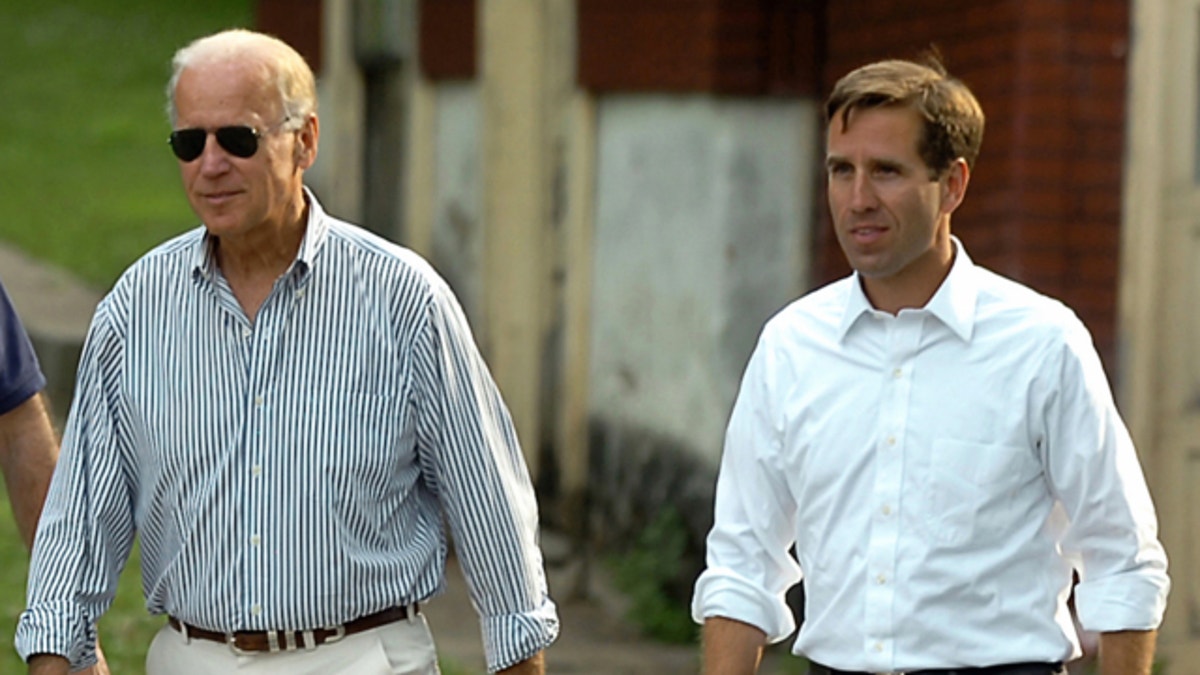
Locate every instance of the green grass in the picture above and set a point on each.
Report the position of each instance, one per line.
(125, 632)
(649, 574)
(86, 180)
(87, 183)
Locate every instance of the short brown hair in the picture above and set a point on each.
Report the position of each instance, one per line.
(953, 119)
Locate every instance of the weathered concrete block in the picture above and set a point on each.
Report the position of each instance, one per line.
(56, 309)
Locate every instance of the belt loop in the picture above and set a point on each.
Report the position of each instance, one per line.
(183, 628)
(309, 639)
(411, 612)
(273, 641)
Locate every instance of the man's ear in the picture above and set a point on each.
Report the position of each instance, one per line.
(306, 142)
(954, 185)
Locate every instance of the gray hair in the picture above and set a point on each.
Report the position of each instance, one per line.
(280, 63)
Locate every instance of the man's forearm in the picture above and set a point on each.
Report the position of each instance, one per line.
(1129, 652)
(534, 665)
(28, 452)
(731, 647)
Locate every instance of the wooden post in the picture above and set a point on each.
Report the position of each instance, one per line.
(514, 59)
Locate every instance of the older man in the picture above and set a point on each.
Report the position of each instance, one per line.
(286, 408)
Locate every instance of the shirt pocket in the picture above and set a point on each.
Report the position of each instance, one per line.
(970, 488)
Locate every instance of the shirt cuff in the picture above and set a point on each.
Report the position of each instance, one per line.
(511, 638)
(57, 628)
(1122, 603)
(722, 592)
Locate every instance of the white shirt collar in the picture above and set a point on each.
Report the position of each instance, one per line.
(953, 303)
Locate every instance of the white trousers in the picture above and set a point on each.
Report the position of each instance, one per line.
(398, 648)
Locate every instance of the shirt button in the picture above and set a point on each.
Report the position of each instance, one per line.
(299, 293)
(878, 646)
(246, 332)
(258, 400)
(891, 440)
(886, 510)
(881, 579)
(255, 540)
(898, 373)
(256, 469)
(256, 610)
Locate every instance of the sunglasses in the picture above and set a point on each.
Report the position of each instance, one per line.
(239, 141)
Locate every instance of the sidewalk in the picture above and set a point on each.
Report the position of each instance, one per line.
(594, 639)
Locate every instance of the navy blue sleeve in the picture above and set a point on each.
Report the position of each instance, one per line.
(20, 375)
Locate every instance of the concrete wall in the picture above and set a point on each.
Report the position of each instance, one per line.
(458, 234)
(702, 221)
(338, 173)
(703, 216)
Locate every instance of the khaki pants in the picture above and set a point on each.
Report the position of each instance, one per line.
(398, 648)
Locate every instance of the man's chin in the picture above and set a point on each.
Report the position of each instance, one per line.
(870, 266)
(219, 226)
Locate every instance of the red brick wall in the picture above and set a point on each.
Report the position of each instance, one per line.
(446, 43)
(1044, 203)
(296, 22)
(720, 46)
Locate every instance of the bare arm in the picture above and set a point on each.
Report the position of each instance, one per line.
(1129, 652)
(534, 665)
(731, 647)
(28, 451)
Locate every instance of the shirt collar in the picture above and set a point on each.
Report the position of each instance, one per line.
(953, 303)
(204, 262)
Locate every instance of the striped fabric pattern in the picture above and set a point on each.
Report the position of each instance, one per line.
(290, 473)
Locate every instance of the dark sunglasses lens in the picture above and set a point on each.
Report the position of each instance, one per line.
(238, 141)
(187, 144)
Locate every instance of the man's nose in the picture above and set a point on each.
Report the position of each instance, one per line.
(214, 158)
(862, 193)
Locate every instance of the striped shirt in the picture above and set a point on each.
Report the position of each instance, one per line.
(288, 473)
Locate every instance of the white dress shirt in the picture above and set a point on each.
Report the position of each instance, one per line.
(940, 472)
(292, 472)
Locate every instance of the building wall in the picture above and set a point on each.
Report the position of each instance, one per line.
(457, 230)
(700, 235)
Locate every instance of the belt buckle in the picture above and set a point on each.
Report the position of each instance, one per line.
(231, 641)
(339, 632)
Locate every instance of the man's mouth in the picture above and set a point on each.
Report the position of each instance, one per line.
(867, 234)
(217, 198)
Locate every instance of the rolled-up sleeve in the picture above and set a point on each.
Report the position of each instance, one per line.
(470, 452)
(749, 567)
(1094, 470)
(86, 529)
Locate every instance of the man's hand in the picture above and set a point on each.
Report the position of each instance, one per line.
(53, 664)
(48, 664)
(101, 667)
(731, 647)
(534, 665)
(1128, 652)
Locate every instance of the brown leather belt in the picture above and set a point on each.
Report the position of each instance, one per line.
(291, 640)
